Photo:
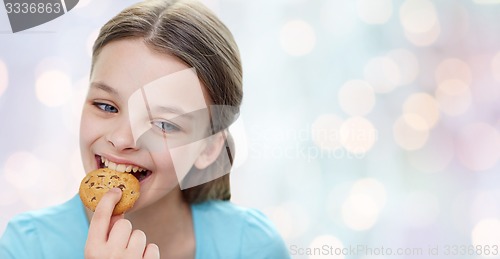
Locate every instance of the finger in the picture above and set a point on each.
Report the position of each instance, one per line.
(114, 219)
(152, 252)
(136, 244)
(99, 225)
(120, 234)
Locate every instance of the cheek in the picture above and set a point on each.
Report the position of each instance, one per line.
(164, 169)
(85, 128)
(163, 162)
(85, 141)
(179, 160)
(91, 130)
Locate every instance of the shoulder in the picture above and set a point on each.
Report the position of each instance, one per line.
(52, 217)
(36, 232)
(244, 231)
(19, 234)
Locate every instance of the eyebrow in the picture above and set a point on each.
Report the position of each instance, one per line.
(172, 109)
(104, 87)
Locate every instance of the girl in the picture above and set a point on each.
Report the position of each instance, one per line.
(166, 81)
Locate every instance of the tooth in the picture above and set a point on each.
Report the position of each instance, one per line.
(106, 162)
(135, 168)
(128, 169)
(121, 168)
(112, 166)
(102, 159)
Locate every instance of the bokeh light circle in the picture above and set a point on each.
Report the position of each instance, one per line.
(408, 65)
(53, 88)
(319, 242)
(485, 232)
(374, 11)
(297, 38)
(426, 38)
(383, 73)
(291, 219)
(284, 221)
(22, 170)
(361, 208)
(453, 68)
(418, 16)
(358, 135)
(424, 106)
(356, 98)
(371, 187)
(325, 131)
(8, 195)
(453, 96)
(406, 135)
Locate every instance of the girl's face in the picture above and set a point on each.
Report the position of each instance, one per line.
(142, 115)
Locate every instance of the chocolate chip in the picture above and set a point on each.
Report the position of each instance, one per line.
(121, 186)
(92, 184)
(115, 177)
(93, 199)
(88, 180)
(100, 175)
(99, 187)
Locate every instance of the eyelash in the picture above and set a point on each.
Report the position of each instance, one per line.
(103, 107)
(162, 124)
(159, 124)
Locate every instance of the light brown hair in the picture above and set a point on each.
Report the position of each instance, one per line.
(192, 33)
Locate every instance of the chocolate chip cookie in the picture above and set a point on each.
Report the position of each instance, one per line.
(96, 183)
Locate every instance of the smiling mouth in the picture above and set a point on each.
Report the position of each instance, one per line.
(138, 172)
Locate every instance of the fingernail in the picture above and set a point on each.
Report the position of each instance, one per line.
(117, 190)
(157, 248)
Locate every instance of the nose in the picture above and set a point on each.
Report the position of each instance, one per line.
(120, 136)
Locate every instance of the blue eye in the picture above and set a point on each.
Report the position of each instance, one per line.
(165, 126)
(106, 107)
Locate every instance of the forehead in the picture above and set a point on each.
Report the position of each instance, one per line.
(130, 66)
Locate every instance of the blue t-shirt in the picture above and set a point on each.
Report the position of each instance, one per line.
(222, 230)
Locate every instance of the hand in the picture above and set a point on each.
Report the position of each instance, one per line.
(112, 236)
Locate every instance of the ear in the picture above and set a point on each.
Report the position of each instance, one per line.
(211, 151)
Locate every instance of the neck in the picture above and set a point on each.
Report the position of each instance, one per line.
(167, 223)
